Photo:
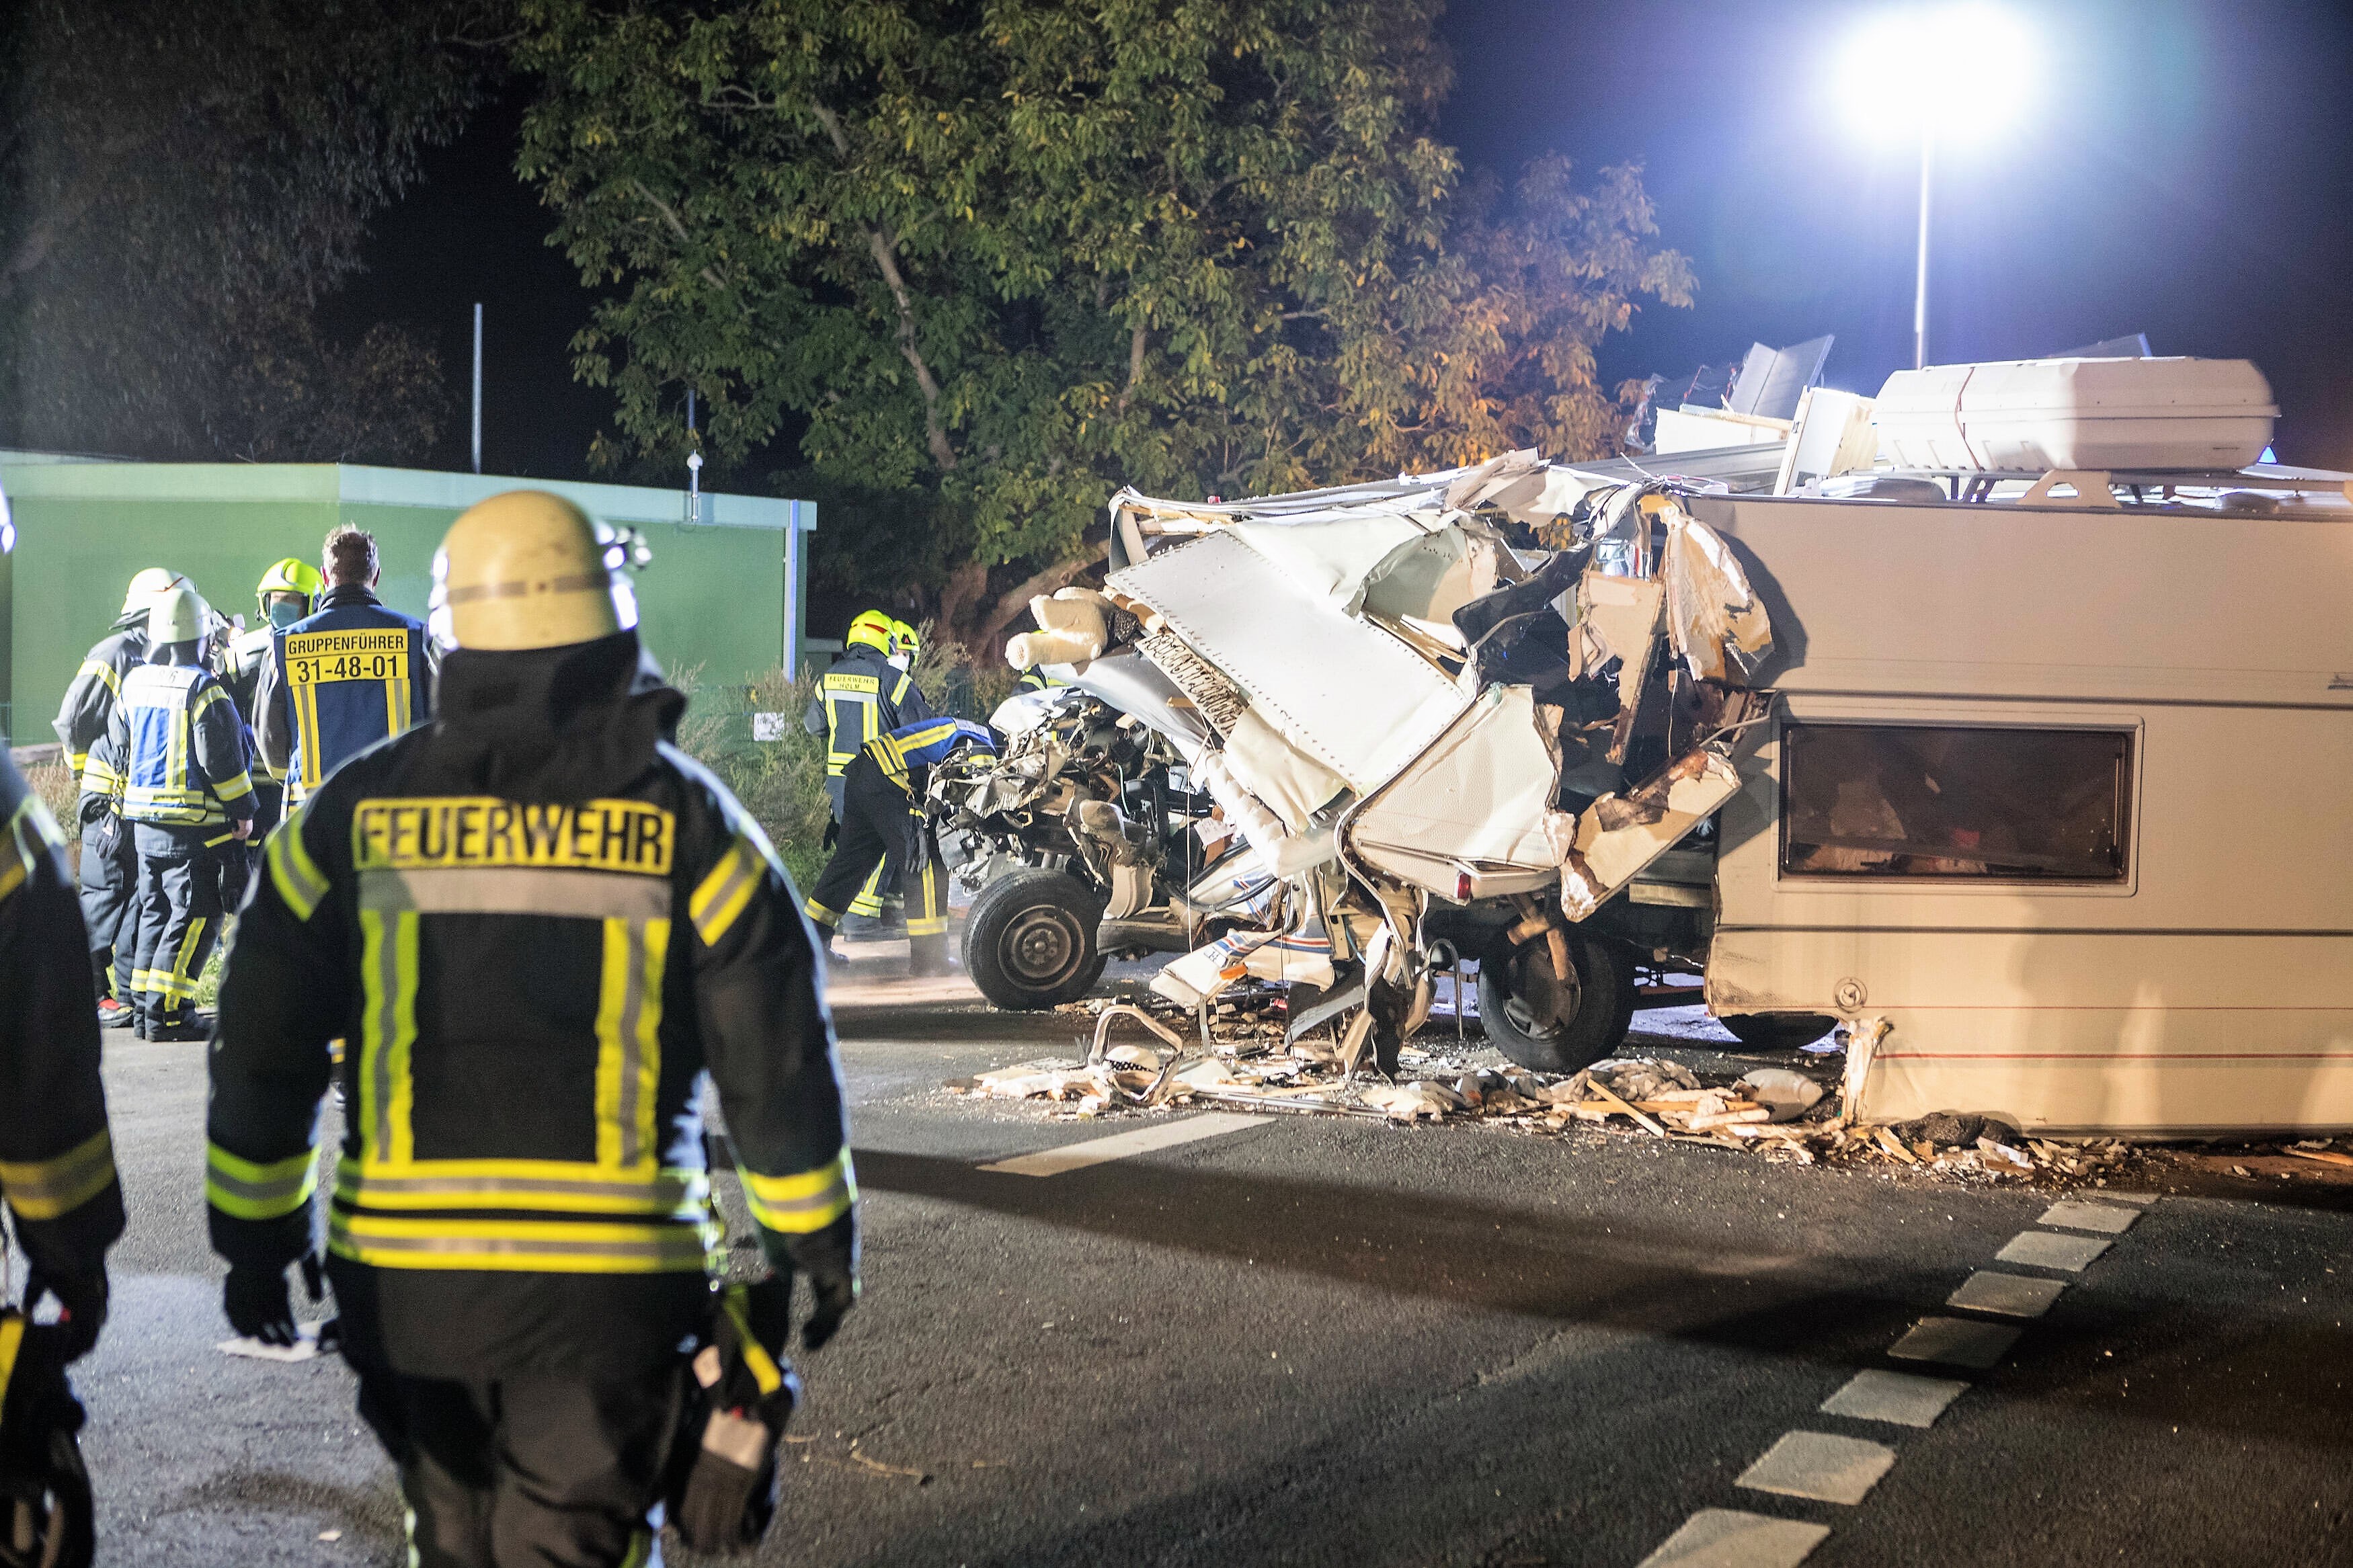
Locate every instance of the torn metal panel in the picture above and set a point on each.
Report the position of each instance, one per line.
(1618, 835)
(1476, 808)
(1295, 785)
(1713, 618)
(1619, 617)
(1133, 684)
(1332, 559)
(1346, 693)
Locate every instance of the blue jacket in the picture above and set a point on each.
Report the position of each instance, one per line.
(351, 675)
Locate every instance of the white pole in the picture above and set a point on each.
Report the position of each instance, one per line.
(478, 386)
(792, 590)
(1920, 273)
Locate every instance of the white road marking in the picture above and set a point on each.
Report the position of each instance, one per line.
(1898, 1398)
(1956, 1341)
(2104, 1217)
(1120, 1146)
(2012, 1295)
(2049, 1249)
(1728, 1538)
(1821, 1466)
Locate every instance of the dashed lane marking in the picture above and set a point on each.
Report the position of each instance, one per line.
(1955, 1342)
(1898, 1398)
(1728, 1538)
(1821, 1466)
(2049, 1249)
(2010, 1295)
(1120, 1145)
(2105, 1217)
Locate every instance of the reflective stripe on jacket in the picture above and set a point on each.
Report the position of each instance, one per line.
(181, 747)
(863, 697)
(923, 744)
(532, 984)
(96, 688)
(57, 1161)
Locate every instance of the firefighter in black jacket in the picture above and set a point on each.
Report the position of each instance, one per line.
(57, 1162)
(110, 865)
(537, 923)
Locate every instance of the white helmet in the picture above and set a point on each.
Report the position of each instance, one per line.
(177, 615)
(530, 570)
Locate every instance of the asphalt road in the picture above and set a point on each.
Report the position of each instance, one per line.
(1336, 1342)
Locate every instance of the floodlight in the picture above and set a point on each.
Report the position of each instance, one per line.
(1953, 72)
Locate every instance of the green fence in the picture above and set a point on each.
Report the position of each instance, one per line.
(723, 592)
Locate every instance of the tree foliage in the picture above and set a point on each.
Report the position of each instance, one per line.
(1012, 254)
(180, 181)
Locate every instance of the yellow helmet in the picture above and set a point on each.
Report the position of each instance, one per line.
(291, 576)
(529, 570)
(870, 629)
(905, 639)
(177, 615)
(148, 585)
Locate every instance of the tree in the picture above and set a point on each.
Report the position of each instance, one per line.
(180, 181)
(1014, 253)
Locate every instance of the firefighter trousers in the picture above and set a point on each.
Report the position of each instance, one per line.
(882, 832)
(526, 1472)
(179, 920)
(110, 903)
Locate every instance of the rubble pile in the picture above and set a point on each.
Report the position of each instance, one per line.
(1777, 1113)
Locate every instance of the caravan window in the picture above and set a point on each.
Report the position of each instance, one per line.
(2003, 805)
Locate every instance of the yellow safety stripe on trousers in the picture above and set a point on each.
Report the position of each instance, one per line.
(556, 1186)
(927, 914)
(869, 900)
(244, 1189)
(176, 983)
(797, 1205)
(52, 1188)
(298, 881)
(628, 1040)
(820, 913)
(537, 1247)
(722, 895)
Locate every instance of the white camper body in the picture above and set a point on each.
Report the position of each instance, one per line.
(2202, 984)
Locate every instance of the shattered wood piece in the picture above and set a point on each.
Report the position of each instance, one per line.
(1894, 1145)
(2325, 1156)
(1602, 1092)
(2002, 1155)
(1729, 1119)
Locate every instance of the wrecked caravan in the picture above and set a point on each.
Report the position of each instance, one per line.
(2038, 791)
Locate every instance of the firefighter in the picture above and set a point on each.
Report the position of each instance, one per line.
(906, 643)
(540, 924)
(344, 677)
(110, 865)
(187, 791)
(57, 1177)
(863, 696)
(289, 592)
(867, 692)
(883, 827)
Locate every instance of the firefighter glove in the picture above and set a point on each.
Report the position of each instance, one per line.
(832, 834)
(81, 1309)
(829, 1258)
(259, 1304)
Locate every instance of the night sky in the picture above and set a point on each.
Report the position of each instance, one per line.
(2181, 169)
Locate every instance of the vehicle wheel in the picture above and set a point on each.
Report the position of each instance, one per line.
(1778, 1031)
(1542, 1023)
(1030, 940)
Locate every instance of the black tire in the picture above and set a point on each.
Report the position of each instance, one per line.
(1030, 941)
(1596, 1020)
(1778, 1031)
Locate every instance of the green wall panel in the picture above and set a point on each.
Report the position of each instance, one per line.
(712, 595)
